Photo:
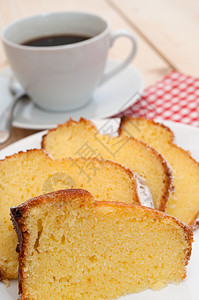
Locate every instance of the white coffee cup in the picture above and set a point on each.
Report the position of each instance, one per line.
(62, 77)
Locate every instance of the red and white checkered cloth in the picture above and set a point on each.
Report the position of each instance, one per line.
(174, 98)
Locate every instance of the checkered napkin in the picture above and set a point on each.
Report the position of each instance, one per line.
(174, 98)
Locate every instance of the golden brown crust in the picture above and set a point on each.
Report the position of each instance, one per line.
(129, 173)
(125, 119)
(171, 142)
(15, 155)
(18, 215)
(168, 175)
(69, 195)
(169, 178)
(195, 223)
(67, 124)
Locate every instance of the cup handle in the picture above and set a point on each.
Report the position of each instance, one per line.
(113, 36)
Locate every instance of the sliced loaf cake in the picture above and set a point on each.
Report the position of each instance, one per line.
(82, 139)
(184, 201)
(73, 247)
(30, 174)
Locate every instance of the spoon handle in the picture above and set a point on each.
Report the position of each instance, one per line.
(6, 119)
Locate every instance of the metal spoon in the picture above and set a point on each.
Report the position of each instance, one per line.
(6, 118)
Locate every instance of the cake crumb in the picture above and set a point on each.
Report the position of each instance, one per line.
(6, 282)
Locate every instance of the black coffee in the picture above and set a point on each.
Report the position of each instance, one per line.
(56, 40)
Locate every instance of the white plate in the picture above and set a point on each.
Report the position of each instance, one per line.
(186, 137)
(112, 97)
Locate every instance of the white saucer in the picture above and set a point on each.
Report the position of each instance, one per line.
(114, 96)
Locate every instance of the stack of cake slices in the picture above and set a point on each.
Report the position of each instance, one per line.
(105, 218)
(183, 202)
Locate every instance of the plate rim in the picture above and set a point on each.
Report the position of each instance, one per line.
(41, 133)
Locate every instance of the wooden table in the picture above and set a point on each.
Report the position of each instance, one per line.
(166, 31)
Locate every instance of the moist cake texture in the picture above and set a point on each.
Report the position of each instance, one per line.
(82, 139)
(184, 201)
(73, 247)
(32, 173)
